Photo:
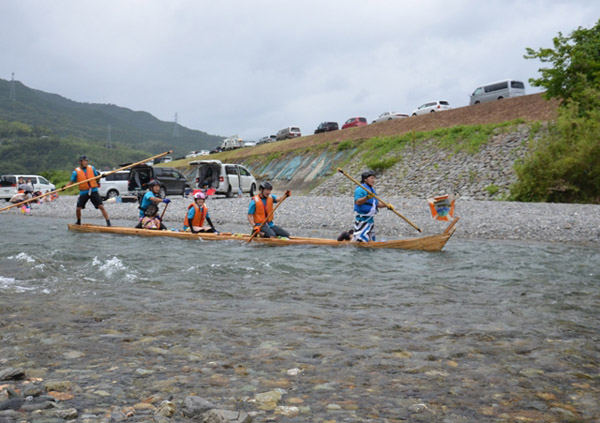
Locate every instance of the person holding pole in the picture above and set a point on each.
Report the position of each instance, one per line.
(88, 189)
(261, 208)
(151, 197)
(365, 207)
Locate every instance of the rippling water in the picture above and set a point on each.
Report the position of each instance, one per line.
(483, 331)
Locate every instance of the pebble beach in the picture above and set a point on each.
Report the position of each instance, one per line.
(326, 217)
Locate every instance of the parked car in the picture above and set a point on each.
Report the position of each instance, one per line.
(172, 182)
(497, 91)
(390, 116)
(431, 107)
(326, 127)
(114, 185)
(225, 178)
(289, 132)
(267, 139)
(9, 184)
(355, 121)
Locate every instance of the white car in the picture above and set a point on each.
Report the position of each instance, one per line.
(9, 184)
(389, 116)
(114, 185)
(226, 178)
(432, 106)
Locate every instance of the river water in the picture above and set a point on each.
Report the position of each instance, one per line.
(483, 331)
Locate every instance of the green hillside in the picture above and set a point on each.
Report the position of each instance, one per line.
(62, 117)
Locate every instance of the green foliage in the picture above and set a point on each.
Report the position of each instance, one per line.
(345, 145)
(380, 164)
(24, 154)
(563, 166)
(575, 64)
(49, 114)
(492, 189)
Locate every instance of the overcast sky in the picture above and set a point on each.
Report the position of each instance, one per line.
(253, 67)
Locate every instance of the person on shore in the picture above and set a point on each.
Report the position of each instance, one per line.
(261, 206)
(87, 190)
(151, 219)
(365, 207)
(197, 214)
(150, 197)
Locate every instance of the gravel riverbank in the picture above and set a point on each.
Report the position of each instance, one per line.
(328, 216)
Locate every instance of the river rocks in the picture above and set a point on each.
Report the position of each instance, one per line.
(194, 406)
(11, 373)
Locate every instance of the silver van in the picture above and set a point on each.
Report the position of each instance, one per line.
(497, 91)
(114, 185)
(289, 132)
(226, 178)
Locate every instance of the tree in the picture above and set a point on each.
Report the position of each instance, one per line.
(575, 66)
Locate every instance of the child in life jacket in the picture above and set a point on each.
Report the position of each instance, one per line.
(197, 214)
(151, 220)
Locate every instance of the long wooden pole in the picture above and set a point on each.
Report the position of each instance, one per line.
(87, 180)
(379, 199)
(268, 217)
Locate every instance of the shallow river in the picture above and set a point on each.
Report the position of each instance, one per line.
(483, 331)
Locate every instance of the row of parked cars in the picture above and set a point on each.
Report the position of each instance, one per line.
(228, 179)
(485, 93)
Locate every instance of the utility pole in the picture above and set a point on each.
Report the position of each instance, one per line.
(12, 95)
(108, 139)
(175, 128)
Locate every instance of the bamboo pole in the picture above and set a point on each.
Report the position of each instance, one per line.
(389, 206)
(87, 180)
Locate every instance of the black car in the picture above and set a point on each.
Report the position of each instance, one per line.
(172, 182)
(326, 127)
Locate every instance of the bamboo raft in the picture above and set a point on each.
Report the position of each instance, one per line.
(425, 243)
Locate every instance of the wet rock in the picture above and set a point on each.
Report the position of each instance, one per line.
(165, 409)
(12, 404)
(65, 413)
(195, 406)
(58, 385)
(12, 373)
(33, 406)
(225, 416)
(32, 390)
(288, 411)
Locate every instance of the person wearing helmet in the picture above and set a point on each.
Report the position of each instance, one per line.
(151, 197)
(151, 220)
(365, 207)
(87, 190)
(261, 207)
(197, 214)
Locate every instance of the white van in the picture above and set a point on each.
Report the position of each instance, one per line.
(497, 91)
(289, 132)
(114, 185)
(226, 178)
(9, 184)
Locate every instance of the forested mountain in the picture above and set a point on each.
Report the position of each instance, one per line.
(61, 117)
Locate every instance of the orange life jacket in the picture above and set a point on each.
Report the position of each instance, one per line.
(260, 214)
(199, 215)
(83, 175)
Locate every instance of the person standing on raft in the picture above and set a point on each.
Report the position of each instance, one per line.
(366, 207)
(87, 190)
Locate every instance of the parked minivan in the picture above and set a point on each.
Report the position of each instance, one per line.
(497, 91)
(114, 185)
(225, 178)
(289, 132)
(172, 182)
(9, 184)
